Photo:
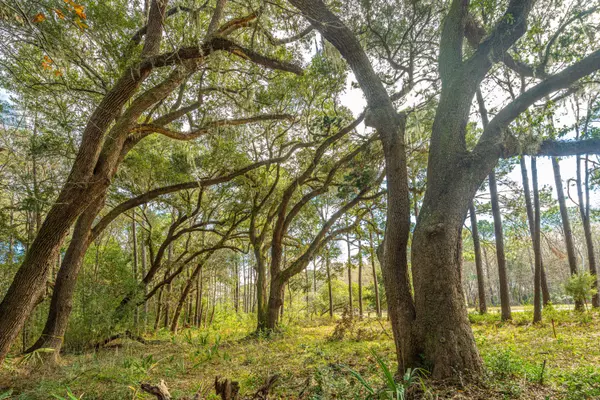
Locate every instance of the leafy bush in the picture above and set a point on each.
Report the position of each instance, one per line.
(581, 286)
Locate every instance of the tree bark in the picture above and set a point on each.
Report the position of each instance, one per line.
(375, 280)
(136, 311)
(500, 255)
(564, 214)
(184, 295)
(531, 220)
(360, 270)
(537, 246)
(584, 211)
(329, 290)
(478, 260)
(349, 269)
(61, 303)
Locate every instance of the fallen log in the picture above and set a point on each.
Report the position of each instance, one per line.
(125, 335)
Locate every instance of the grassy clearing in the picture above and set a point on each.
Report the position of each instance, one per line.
(311, 365)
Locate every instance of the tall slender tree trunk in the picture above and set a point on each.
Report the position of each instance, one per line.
(500, 255)
(136, 311)
(375, 280)
(186, 289)
(306, 291)
(478, 260)
(360, 271)
(159, 308)
(236, 295)
(329, 290)
(537, 246)
(568, 233)
(584, 212)
(349, 267)
(144, 268)
(198, 318)
(531, 220)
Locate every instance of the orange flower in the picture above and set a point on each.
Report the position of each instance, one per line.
(40, 17)
(78, 9)
(59, 13)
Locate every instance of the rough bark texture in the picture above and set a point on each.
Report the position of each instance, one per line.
(61, 303)
(390, 128)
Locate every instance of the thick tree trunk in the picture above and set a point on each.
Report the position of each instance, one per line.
(478, 260)
(500, 255)
(584, 211)
(568, 233)
(261, 287)
(30, 280)
(393, 251)
(61, 303)
(276, 289)
(442, 323)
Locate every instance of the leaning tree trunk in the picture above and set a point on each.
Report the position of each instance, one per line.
(478, 260)
(568, 233)
(501, 256)
(393, 252)
(61, 304)
(184, 295)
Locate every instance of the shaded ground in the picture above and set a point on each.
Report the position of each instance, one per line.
(518, 357)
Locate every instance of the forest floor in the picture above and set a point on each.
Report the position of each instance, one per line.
(518, 356)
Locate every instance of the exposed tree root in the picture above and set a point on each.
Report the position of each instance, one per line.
(226, 389)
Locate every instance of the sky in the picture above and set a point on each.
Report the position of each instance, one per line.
(355, 101)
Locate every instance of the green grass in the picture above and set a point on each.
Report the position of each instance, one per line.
(309, 362)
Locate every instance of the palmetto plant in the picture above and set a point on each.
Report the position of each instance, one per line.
(70, 396)
(393, 390)
(35, 357)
